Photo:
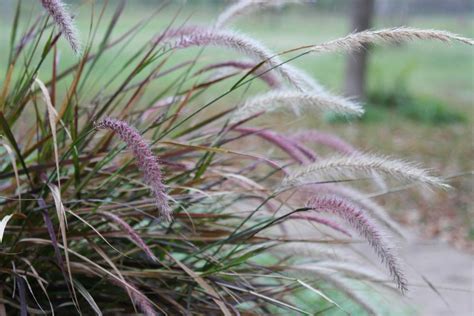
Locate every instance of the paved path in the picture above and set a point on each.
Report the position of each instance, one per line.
(449, 270)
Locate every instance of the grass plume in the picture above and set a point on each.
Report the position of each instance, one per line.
(287, 99)
(358, 40)
(361, 165)
(366, 228)
(146, 160)
(246, 45)
(61, 16)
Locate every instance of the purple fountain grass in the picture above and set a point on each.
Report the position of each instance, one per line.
(327, 139)
(146, 160)
(395, 35)
(269, 78)
(58, 11)
(338, 144)
(248, 46)
(362, 201)
(296, 100)
(360, 165)
(131, 232)
(356, 217)
(281, 141)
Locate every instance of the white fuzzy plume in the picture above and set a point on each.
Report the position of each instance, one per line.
(358, 40)
(250, 47)
(360, 165)
(287, 99)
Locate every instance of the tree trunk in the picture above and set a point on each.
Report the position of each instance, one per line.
(362, 12)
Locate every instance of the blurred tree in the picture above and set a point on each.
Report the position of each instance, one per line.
(361, 12)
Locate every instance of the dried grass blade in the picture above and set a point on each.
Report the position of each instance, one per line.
(95, 230)
(320, 293)
(11, 155)
(88, 297)
(267, 298)
(52, 115)
(209, 290)
(60, 210)
(3, 225)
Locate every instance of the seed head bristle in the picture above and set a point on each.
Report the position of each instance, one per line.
(58, 11)
(361, 165)
(366, 228)
(358, 40)
(287, 99)
(146, 160)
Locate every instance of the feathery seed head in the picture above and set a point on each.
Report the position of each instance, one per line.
(285, 99)
(146, 160)
(250, 47)
(365, 227)
(376, 211)
(357, 40)
(361, 165)
(58, 11)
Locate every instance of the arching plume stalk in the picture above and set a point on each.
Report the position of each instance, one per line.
(250, 47)
(375, 210)
(287, 99)
(365, 227)
(146, 160)
(396, 35)
(58, 11)
(361, 165)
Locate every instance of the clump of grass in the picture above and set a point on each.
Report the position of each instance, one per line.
(219, 253)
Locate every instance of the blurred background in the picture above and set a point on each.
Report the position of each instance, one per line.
(419, 96)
